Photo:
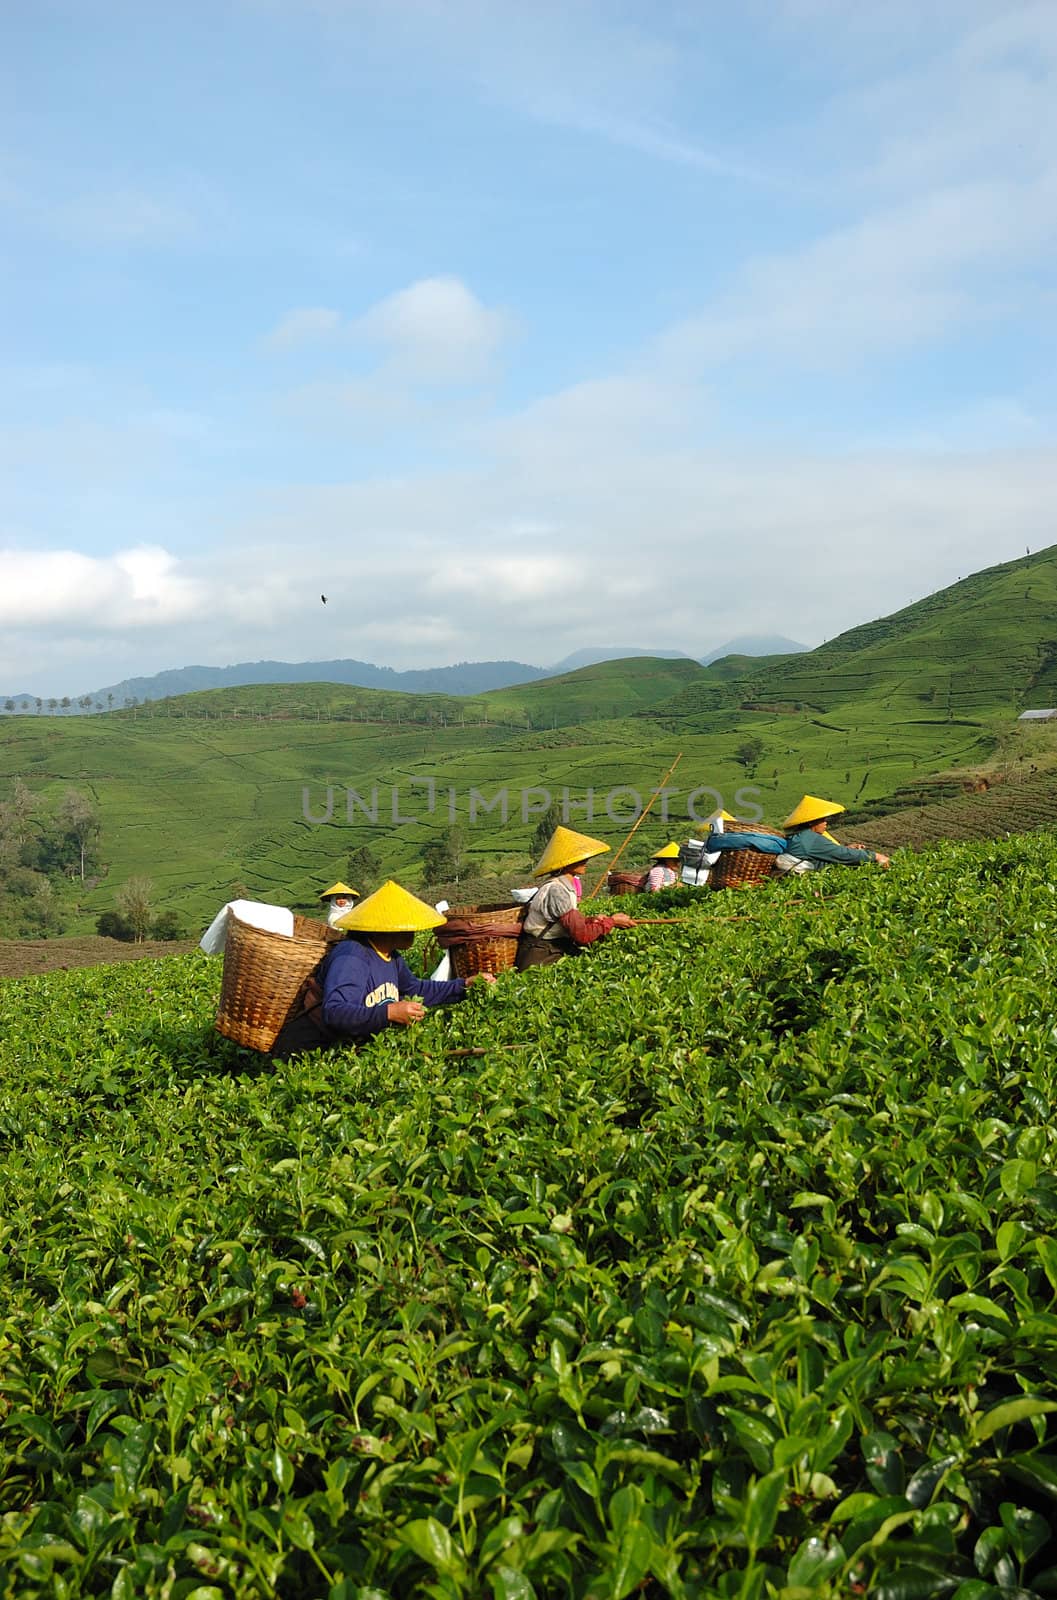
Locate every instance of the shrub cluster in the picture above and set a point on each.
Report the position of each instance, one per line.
(722, 1261)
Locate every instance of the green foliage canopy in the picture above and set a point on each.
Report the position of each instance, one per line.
(723, 1261)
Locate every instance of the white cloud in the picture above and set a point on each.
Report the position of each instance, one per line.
(304, 325)
(895, 278)
(585, 67)
(511, 580)
(648, 547)
(658, 140)
(436, 330)
(66, 589)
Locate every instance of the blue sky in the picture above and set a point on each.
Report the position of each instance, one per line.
(513, 328)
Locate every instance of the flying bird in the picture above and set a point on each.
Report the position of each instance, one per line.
(323, 598)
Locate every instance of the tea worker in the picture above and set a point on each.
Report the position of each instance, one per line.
(364, 983)
(338, 899)
(663, 874)
(696, 858)
(554, 925)
(808, 838)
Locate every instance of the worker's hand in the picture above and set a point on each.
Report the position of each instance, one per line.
(482, 977)
(405, 1011)
(882, 860)
(622, 920)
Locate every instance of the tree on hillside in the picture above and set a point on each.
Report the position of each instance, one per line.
(133, 901)
(44, 909)
(9, 705)
(112, 925)
(79, 822)
(749, 752)
(546, 825)
(18, 814)
(10, 850)
(364, 869)
(445, 858)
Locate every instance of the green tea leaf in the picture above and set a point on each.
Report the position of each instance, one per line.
(282, 1470)
(761, 1510)
(814, 1562)
(631, 1560)
(1007, 1413)
(430, 1541)
(508, 1584)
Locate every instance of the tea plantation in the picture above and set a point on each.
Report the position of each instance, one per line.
(721, 1262)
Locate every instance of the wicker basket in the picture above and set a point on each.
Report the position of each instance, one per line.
(626, 882)
(473, 948)
(744, 869)
(741, 869)
(263, 976)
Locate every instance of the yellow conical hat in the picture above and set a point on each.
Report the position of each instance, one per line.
(565, 848)
(336, 889)
(667, 852)
(390, 909)
(811, 809)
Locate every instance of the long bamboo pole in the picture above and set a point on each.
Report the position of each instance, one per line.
(635, 828)
(785, 911)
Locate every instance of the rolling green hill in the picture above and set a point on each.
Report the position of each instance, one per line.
(201, 806)
(608, 689)
(230, 788)
(994, 813)
(987, 644)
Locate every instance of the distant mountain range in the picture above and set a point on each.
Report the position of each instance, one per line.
(749, 644)
(754, 644)
(465, 678)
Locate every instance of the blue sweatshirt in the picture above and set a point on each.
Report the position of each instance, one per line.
(358, 984)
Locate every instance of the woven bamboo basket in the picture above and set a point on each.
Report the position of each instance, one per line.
(263, 976)
(626, 882)
(744, 869)
(479, 949)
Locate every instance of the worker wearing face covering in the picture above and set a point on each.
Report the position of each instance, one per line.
(338, 899)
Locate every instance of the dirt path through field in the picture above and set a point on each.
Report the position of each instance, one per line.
(23, 958)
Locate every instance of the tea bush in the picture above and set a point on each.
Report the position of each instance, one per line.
(720, 1262)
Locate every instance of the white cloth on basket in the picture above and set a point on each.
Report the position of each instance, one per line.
(273, 919)
(442, 971)
(790, 863)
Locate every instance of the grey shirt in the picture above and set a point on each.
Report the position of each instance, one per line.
(547, 907)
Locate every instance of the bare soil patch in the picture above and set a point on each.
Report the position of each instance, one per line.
(23, 958)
